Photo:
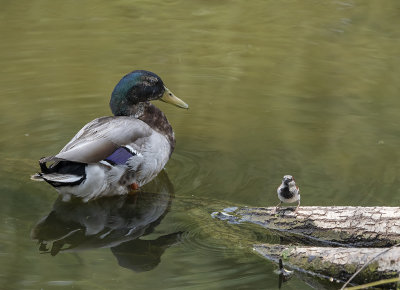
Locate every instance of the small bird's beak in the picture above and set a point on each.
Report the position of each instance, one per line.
(287, 181)
(169, 97)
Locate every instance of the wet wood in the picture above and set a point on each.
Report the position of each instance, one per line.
(332, 226)
(335, 263)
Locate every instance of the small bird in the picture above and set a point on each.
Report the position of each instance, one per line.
(288, 192)
(113, 155)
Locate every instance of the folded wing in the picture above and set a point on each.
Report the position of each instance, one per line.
(100, 138)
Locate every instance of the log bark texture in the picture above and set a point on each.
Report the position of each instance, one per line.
(333, 226)
(337, 262)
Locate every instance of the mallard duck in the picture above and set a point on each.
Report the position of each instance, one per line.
(114, 155)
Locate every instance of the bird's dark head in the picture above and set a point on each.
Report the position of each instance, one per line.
(287, 179)
(137, 87)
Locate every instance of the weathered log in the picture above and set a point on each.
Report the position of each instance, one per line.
(336, 263)
(335, 226)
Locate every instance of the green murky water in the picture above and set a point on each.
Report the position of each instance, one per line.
(308, 88)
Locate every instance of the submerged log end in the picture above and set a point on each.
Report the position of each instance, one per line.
(338, 263)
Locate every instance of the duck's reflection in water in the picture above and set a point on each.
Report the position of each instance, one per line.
(113, 222)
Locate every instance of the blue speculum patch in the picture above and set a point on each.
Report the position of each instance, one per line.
(119, 156)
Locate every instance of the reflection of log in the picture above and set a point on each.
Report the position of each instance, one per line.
(340, 226)
(339, 262)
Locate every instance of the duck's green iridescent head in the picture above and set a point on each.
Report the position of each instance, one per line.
(137, 87)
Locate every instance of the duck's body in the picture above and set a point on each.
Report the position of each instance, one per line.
(112, 155)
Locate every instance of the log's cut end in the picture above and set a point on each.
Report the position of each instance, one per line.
(334, 225)
(337, 262)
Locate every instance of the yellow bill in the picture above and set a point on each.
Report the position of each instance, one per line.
(169, 97)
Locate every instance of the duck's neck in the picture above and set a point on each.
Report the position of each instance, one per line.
(155, 118)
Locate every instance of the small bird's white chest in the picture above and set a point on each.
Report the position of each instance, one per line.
(288, 194)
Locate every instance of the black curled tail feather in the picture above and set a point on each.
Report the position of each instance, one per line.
(62, 173)
(63, 167)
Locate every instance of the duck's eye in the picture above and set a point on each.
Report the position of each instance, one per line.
(170, 94)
